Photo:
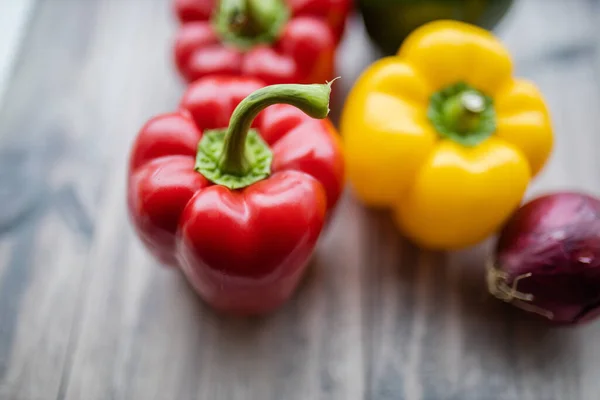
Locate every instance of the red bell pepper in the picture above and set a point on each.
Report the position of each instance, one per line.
(278, 41)
(237, 198)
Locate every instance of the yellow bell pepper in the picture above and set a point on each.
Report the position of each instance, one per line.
(445, 136)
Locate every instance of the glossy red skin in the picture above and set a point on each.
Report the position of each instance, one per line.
(303, 54)
(334, 12)
(244, 251)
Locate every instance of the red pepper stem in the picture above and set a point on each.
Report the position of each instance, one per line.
(262, 13)
(245, 23)
(311, 99)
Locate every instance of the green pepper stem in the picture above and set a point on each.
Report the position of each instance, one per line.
(263, 13)
(463, 111)
(462, 114)
(311, 99)
(245, 22)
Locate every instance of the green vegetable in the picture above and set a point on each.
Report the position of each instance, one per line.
(388, 22)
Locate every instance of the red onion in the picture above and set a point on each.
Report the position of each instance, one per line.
(547, 259)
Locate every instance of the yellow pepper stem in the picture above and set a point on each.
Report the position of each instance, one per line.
(463, 114)
(463, 111)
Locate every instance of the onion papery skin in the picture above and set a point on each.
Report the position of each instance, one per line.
(547, 258)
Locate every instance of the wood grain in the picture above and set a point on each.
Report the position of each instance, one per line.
(86, 314)
(13, 20)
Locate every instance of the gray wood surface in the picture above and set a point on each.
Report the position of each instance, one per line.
(86, 314)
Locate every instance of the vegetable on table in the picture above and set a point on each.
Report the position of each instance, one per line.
(444, 136)
(389, 22)
(547, 259)
(236, 186)
(278, 41)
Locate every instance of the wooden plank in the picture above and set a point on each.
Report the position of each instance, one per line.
(86, 314)
(40, 280)
(14, 16)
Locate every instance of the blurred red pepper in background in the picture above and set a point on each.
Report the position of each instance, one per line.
(277, 41)
(237, 198)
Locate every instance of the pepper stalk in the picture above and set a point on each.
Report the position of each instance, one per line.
(237, 156)
(246, 23)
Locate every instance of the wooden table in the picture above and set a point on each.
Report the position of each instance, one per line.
(86, 314)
